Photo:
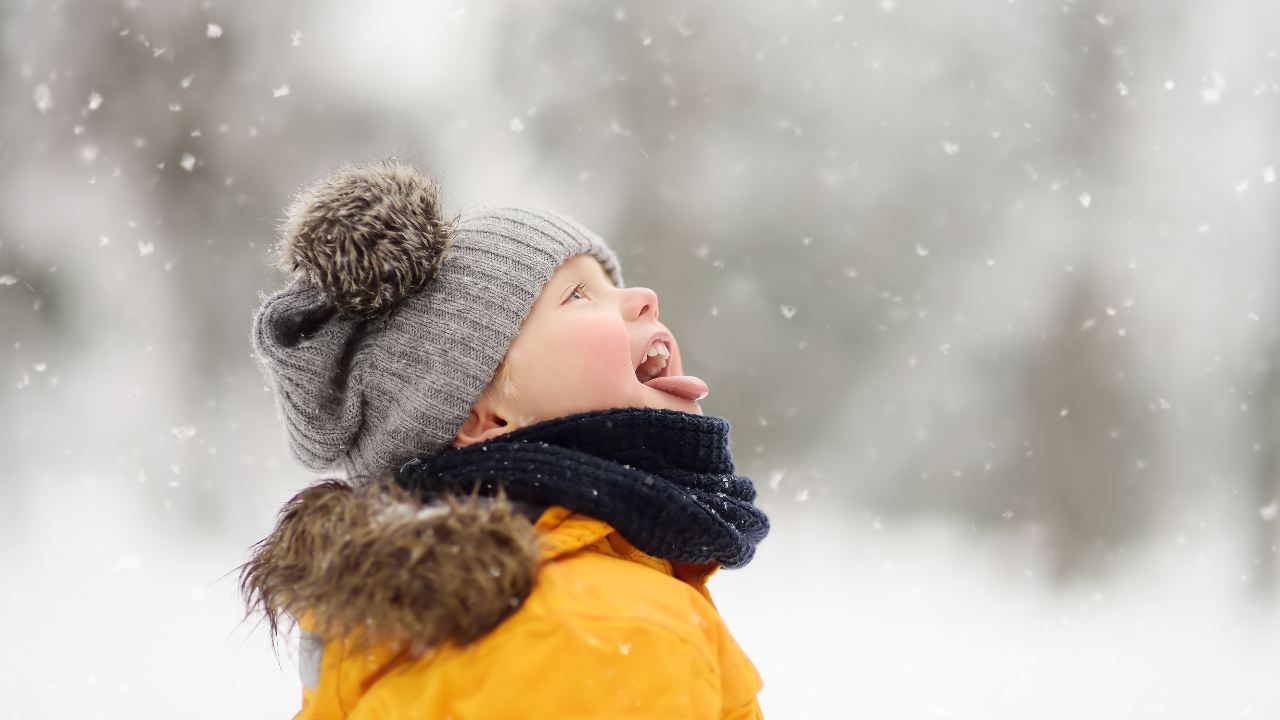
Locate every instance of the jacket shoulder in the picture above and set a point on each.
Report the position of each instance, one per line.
(558, 659)
(599, 636)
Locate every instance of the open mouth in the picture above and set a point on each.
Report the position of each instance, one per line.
(655, 371)
(656, 362)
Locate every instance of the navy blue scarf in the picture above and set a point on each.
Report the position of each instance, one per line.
(662, 478)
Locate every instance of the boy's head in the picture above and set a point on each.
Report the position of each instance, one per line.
(403, 333)
(585, 345)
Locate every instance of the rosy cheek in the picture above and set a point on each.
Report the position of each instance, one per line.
(598, 350)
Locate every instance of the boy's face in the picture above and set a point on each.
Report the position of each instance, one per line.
(584, 346)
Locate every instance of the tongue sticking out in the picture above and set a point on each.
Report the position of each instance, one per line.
(685, 386)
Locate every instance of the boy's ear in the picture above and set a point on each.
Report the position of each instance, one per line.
(486, 420)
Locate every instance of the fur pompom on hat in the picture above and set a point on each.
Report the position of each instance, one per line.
(396, 318)
(366, 236)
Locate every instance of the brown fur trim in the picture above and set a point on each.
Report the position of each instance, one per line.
(367, 235)
(373, 564)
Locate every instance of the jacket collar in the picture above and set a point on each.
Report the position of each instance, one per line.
(337, 556)
(562, 531)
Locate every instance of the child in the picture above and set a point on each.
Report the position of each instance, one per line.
(536, 499)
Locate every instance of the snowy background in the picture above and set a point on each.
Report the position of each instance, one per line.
(987, 288)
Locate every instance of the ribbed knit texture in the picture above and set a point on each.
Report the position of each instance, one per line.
(663, 478)
(368, 393)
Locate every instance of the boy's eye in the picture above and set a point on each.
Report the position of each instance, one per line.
(577, 291)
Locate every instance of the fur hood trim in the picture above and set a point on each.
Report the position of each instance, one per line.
(373, 564)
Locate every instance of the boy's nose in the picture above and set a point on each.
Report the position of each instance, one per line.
(640, 300)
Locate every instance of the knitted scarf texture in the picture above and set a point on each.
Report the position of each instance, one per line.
(662, 478)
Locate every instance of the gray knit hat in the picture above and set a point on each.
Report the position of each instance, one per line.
(396, 319)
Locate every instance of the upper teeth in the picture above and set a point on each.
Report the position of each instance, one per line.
(658, 348)
(655, 361)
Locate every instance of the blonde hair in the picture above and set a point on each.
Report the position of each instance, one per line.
(502, 383)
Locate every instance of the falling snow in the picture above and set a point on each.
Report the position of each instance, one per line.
(982, 363)
(1212, 95)
(43, 98)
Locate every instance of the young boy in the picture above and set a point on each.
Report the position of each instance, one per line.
(535, 499)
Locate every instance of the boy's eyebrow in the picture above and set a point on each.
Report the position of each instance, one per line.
(581, 277)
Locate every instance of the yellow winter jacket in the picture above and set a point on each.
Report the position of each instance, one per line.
(605, 631)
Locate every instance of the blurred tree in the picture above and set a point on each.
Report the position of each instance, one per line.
(1084, 468)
